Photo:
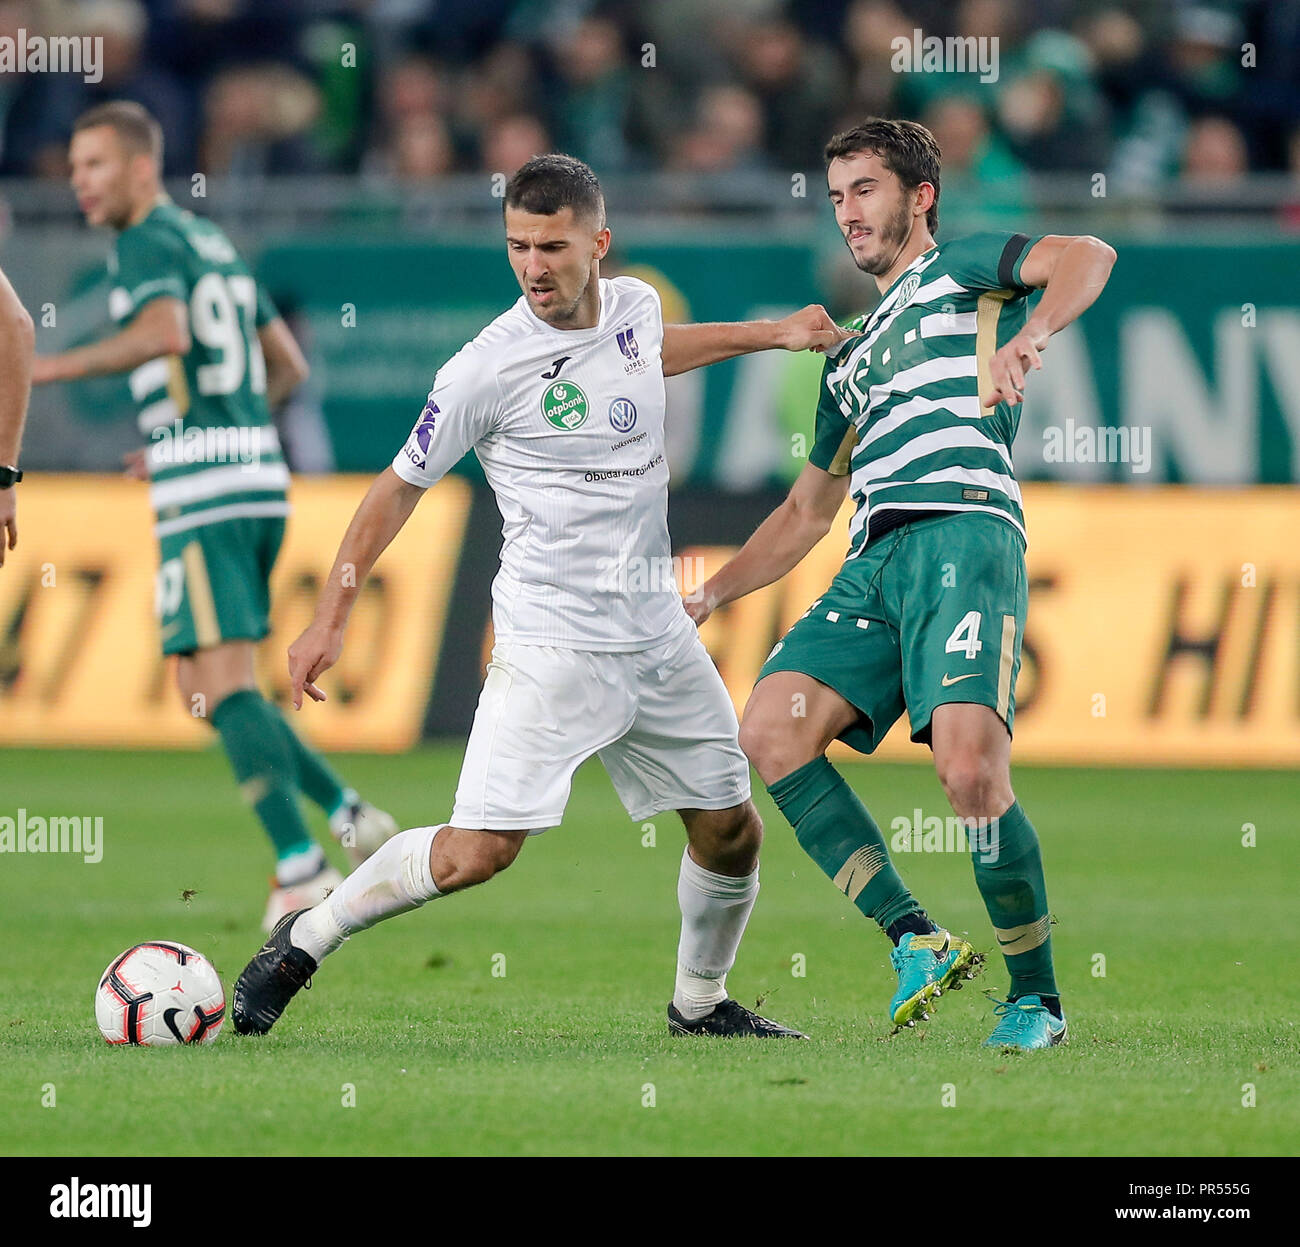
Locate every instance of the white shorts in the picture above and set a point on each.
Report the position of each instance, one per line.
(660, 719)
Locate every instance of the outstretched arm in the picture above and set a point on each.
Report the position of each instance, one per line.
(379, 518)
(693, 346)
(161, 327)
(1071, 271)
(779, 543)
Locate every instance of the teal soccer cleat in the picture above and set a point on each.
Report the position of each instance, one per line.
(1026, 1024)
(927, 965)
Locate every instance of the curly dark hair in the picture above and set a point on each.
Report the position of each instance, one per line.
(905, 148)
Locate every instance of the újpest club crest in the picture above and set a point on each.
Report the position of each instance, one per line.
(631, 351)
(565, 406)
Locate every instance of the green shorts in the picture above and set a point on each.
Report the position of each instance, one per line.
(930, 613)
(214, 583)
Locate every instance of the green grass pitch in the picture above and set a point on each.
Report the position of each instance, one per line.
(408, 1043)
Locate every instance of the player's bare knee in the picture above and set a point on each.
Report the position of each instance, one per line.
(725, 841)
(960, 776)
(494, 853)
(738, 828)
(727, 847)
(474, 858)
(752, 736)
(975, 785)
(768, 745)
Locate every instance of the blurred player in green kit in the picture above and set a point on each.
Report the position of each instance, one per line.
(208, 358)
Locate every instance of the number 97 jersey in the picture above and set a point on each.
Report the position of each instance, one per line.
(212, 446)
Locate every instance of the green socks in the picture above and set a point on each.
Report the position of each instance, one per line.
(835, 830)
(254, 737)
(1009, 874)
(316, 780)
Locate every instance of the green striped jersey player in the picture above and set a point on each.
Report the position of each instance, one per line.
(207, 359)
(899, 408)
(213, 450)
(915, 420)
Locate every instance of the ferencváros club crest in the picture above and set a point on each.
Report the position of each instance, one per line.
(907, 291)
(565, 406)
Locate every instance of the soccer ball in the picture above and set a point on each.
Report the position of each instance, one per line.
(160, 992)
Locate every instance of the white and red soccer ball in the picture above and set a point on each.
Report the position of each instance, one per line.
(160, 992)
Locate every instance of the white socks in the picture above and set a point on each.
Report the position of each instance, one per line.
(395, 878)
(715, 909)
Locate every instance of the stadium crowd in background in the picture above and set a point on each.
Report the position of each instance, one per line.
(1151, 92)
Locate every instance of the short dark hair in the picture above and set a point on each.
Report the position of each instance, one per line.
(905, 148)
(134, 124)
(546, 184)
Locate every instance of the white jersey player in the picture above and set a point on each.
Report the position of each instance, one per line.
(562, 399)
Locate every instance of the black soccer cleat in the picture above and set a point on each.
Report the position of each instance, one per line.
(271, 980)
(729, 1019)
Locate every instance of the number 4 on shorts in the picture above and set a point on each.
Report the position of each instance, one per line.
(965, 638)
